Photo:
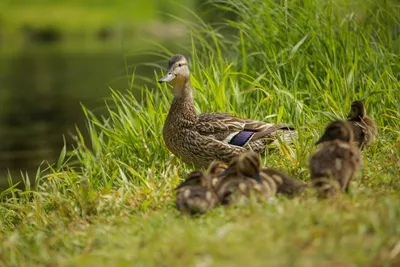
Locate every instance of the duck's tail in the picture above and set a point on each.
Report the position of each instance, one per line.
(285, 136)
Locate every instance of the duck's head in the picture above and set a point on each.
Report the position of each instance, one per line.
(248, 164)
(357, 110)
(217, 167)
(195, 178)
(337, 130)
(178, 71)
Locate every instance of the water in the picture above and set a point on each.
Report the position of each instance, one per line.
(41, 88)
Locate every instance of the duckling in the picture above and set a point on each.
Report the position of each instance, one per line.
(242, 179)
(217, 167)
(364, 128)
(275, 181)
(336, 161)
(194, 195)
(214, 170)
(285, 184)
(200, 139)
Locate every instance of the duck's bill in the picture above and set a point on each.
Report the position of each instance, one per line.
(180, 185)
(258, 178)
(167, 78)
(225, 171)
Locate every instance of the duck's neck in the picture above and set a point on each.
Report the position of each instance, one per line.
(182, 110)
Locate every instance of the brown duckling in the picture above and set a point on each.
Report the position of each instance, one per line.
(285, 184)
(214, 170)
(336, 161)
(275, 181)
(242, 179)
(364, 128)
(195, 195)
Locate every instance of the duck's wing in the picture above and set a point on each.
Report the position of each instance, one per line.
(233, 130)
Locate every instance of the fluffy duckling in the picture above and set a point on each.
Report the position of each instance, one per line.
(364, 128)
(214, 170)
(242, 179)
(336, 161)
(194, 195)
(217, 167)
(285, 184)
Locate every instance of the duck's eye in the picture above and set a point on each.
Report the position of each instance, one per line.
(179, 65)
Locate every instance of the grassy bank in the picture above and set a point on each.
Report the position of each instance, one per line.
(110, 200)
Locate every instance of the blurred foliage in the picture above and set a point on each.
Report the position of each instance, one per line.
(88, 13)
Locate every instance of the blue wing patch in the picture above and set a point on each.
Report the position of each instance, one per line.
(241, 138)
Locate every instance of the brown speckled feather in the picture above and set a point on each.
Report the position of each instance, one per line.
(221, 125)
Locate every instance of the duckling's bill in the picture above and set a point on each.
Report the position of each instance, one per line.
(258, 177)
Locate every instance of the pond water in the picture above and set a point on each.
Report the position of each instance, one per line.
(41, 88)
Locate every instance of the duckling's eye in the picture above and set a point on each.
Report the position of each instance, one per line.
(179, 65)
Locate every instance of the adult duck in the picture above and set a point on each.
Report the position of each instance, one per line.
(201, 139)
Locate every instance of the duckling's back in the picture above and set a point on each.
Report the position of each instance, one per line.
(285, 184)
(195, 200)
(365, 131)
(335, 160)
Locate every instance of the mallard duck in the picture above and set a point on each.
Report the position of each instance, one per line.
(336, 161)
(242, 179)
(285, 184)
(195, 195)
(200, 139)
(364, 128)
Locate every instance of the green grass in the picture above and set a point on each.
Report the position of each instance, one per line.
(110, 200)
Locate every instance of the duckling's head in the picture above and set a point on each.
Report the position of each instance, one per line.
(357, 110)
(178, 73)
(337, 130)
(195, 178)
(248, 164)
(217, 167)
